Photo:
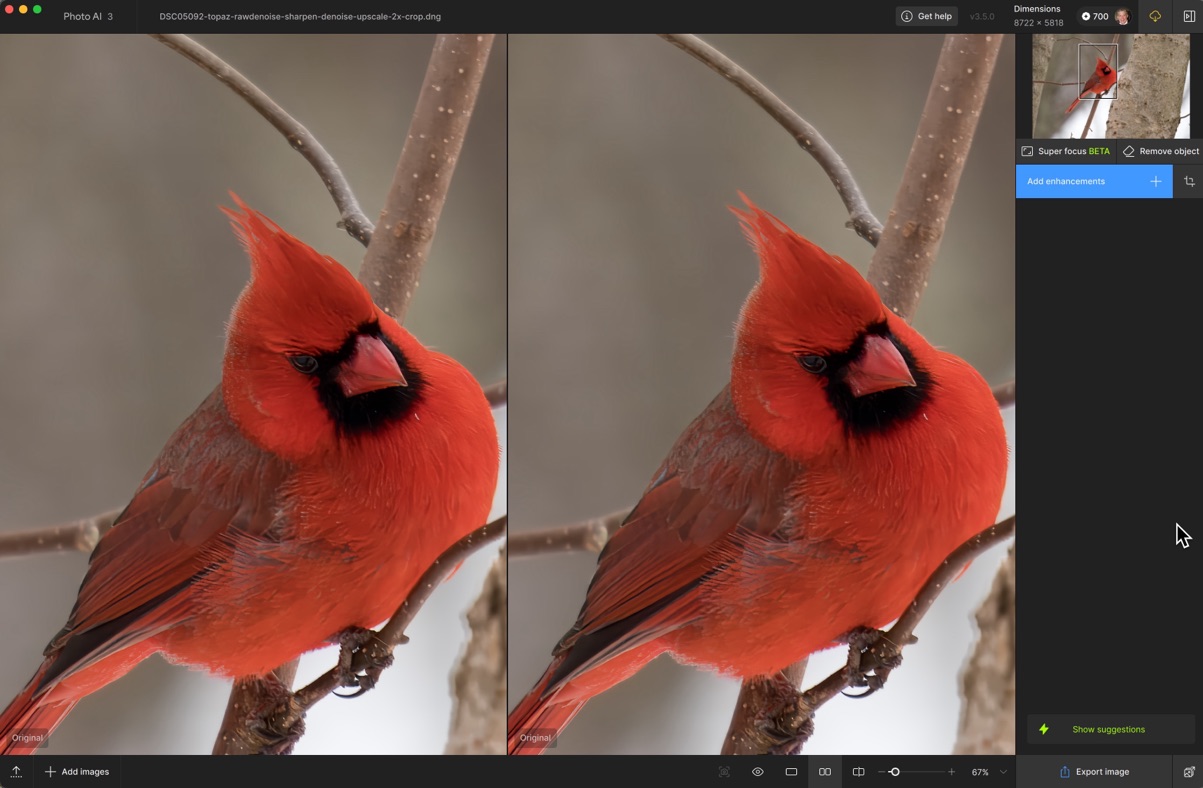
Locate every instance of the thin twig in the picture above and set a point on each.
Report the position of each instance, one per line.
(1004, 394)
(861, 219)
(590, 535)
(411, 211)
(497, 393)
(352, 218)
(81, 535)
(911, 238)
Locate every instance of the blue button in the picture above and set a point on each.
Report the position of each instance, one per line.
(1097, 181)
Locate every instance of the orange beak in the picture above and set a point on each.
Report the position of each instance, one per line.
(371, 367)
(880, 367)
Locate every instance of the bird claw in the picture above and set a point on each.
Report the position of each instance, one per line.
(362, 657)
(871, 658)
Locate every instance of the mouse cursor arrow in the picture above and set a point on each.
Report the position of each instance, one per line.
(1181, 537)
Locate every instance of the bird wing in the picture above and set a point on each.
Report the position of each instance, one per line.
(719, 489)
(208, 485)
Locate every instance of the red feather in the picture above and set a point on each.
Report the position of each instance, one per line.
(793, 509)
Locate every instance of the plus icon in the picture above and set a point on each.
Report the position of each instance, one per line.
(1156, 181)
(50, 772)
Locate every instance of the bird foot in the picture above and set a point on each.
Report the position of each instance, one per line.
(278, 721)
(773, 718)
(871, 658)
(362, 657)
(787, 722)
(281, 729)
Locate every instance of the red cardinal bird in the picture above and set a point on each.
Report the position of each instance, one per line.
(1100, 82)
(305, 496)
(815, 495)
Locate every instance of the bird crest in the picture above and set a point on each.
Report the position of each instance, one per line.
(807, 300)
(295, 290)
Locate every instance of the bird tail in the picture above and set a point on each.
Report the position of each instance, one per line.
(538, 719)
(31, 718)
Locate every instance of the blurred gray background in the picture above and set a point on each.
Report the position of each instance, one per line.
(626, 276)
(117, 273)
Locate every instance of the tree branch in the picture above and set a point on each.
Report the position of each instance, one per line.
(590, 535)
(81, 535)
(478, 714)
(988, 681)
(1148, 99)
(411, 211)
(351, 218)
(497, 394)
(861, 219)
(1042, 55)
(1004, 394)
(912, 235)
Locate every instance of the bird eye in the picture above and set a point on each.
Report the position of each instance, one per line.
(813, 364)
(304, 364)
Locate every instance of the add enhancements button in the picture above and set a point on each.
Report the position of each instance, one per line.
(1094, 181)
